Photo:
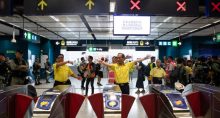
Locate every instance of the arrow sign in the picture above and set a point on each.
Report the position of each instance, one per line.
(42, 4)
(90, 3)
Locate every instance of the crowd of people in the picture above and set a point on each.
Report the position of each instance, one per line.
(169, 71)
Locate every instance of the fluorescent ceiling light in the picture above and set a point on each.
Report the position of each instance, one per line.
(63, 25)
(54, 18)
(168, 18)
(205, 26)
(2, 20)
(112, 7)
(159, 25)
(216, 21)
(193, 30)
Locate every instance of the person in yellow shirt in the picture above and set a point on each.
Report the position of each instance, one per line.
(62, 72)
(157, 73)
(121, 71)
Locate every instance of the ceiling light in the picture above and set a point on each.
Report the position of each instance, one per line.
(54, 18)
(165, 20)
(193, 30)
(112, 7)
(2, 20)
(205, 26)
(216, 21)
(13, 37)
(159, 25)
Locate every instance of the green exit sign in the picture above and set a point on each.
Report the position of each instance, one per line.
(30, 36)
(174, 43)
(218, 37)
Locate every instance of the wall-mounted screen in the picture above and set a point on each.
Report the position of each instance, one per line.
(131, 25)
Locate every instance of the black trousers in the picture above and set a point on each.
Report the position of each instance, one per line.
(157, 80)
(88, 80)
(83, 81)
(56, 83)
(124, 88)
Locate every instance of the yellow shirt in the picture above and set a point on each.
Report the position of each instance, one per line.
(189, 70)
(122, 72)
(62, 73)
(157, 72)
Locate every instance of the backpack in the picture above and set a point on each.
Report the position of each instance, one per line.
(178, 74)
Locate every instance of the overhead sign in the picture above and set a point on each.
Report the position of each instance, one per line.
(42, 4)
(64, 7)
(213, 8)
(5, 7)
(137, 43)
(97, 49)
(173, 43)
(158, 7)
(89, 4)
(68, 43)
(31, 37)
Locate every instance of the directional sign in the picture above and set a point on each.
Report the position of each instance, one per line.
(42, 4)
(213, 8)
(144, 48)
(5, 7)
(65, 7)
(158, 7)
(97, 49)
(89, 4)
(76, 48)
(138, 43)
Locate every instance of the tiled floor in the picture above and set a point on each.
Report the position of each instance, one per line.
(86, 111)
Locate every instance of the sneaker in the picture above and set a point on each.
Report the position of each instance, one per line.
(99, 84)
(137, 92)
(83, 88)
(143, 91)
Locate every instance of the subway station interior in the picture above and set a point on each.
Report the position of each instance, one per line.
(109, 58)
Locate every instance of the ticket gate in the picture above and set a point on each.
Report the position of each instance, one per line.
(50, 99)
(17, 101)
(165, 103)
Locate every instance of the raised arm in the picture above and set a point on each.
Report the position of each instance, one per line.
(63, 63)
(104, 63)
(142, 59)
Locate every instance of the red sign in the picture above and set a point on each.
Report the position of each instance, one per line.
(135, 5)
(181, 6)
(215, 6)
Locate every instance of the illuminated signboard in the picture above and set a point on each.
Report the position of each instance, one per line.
(64, 7)
(218, 37)
(164, 43)
(174, 43)
(97, 49)
(213, 8)
(137, 43)
(131, 25)
(31, 37)
(158, 7)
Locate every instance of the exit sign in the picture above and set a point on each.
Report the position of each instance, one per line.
(31, 37)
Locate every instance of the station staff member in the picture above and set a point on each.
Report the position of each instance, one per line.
(62, 71)
(157, 73)
(121, 71)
